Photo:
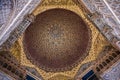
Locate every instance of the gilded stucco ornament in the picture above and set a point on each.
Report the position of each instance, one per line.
(98, 42)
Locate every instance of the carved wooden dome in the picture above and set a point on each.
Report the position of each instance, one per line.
(57, 41)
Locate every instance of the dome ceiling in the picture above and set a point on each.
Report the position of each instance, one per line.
(59, 45)
(40, 47)
(58, 40)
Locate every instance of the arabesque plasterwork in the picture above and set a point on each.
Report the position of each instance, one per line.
(98, 41)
